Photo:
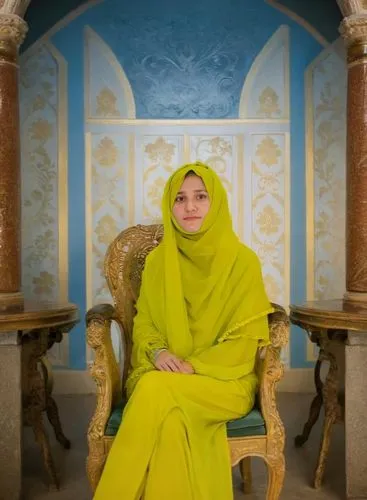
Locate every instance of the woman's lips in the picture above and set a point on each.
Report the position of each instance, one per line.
(191, 218)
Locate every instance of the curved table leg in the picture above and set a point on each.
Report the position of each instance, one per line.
(333, 411)
(51, 406)
(34, 347)
(314, 409)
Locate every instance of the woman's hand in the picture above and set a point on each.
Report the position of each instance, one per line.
(187, 368)
(168, 362)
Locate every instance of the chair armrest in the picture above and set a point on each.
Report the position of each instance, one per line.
(271, 372)
(105, 370)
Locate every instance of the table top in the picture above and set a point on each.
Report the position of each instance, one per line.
(39, 315)
(333, 314)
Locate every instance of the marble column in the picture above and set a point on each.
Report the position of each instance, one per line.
(354, 31)
(12, 32)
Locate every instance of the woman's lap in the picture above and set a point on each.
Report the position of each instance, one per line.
(212, 399)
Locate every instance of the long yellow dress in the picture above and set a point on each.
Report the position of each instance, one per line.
(202, 297)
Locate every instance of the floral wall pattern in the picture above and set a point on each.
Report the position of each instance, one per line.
(327, 91)
(327, 87)
(44, 177)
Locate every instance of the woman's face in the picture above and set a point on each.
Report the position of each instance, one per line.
(191, 205)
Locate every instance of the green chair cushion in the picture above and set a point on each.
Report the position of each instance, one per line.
(251, 425)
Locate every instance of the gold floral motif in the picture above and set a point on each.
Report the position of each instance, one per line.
(107, 103)
(267, 252)
(272, 287)
(268, 220)
(104, 187)
(330, 102)
(39, 80)
(101, 289)
(44, 283)
(161, 152)
(329, 189)
(155, 191)
(39, 103)
(106, 229)
(268, 181)
(268, 151)
(106, 153)
(220, 146)
(268, 103)
(41, 130)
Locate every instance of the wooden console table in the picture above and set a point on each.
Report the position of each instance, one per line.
(337, 326)
(26, 384)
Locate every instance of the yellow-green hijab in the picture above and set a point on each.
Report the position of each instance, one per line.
(201, 288)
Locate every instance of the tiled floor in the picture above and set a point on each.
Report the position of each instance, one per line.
(75, 414)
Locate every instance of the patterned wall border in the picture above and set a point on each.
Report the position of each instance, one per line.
(312, 351)
(311, 354)
(88, 222)
(241, 180)
(63, 201)
(63, 204)
(156, 122)
(59, 354)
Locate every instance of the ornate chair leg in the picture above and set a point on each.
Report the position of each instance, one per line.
(95, 463)
(276, 471)
(245, 468)
(314, 409)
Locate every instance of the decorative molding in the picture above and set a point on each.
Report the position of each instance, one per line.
(169, 122)
(17, 7)
(299, 20)
(13, 27)
(352, 7)
(63, 23)
(354, 29)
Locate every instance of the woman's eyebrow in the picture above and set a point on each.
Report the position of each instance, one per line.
(195, 191)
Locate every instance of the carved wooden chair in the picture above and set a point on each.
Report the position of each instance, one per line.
(260, 433)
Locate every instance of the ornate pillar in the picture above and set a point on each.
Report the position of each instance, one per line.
(12, 32)
(354, 31)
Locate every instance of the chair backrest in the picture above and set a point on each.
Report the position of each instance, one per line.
(123, 267)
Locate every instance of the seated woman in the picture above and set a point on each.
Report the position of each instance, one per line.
(201, 316)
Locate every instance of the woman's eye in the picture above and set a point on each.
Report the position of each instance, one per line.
(179, 199)
(202, 196)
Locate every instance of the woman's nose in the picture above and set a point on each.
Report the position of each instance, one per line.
(190, 206)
